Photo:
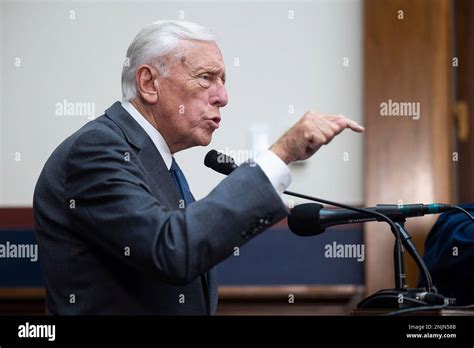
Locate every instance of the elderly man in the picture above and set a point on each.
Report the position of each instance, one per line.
(118, 229)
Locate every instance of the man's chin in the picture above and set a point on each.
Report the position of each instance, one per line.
(206, 142)
(202, 142)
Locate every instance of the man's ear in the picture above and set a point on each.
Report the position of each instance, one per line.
(146, 79)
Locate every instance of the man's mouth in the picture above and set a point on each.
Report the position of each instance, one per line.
(215, 122)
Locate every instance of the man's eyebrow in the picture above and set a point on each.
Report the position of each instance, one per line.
(210, 69)
(214, 70)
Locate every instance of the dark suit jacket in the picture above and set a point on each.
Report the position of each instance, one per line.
(111, 236)
(449, 255)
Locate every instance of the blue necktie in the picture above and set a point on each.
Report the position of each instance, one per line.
(181, 182)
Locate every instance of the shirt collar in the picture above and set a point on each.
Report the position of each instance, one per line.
(152, 132)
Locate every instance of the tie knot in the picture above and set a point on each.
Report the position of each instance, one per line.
(174, 166)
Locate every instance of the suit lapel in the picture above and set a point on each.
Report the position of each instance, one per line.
(159, 175)
(162, 184)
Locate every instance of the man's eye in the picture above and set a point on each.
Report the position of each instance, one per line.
(205, 80)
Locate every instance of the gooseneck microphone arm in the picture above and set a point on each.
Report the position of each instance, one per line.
(400, 236)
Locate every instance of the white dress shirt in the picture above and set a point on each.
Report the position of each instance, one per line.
(152, 132)
(274, 168)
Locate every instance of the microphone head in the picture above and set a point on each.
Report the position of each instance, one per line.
(220, 162)
(304, 220)
(211, 158)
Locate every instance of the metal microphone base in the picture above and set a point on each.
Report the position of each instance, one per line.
(407, 298)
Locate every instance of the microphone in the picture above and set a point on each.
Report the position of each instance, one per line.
(301, 217)
(311, 219)
(225, 165)
(220, 162)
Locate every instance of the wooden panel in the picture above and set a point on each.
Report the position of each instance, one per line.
(22, 301)
(233, 300)
(464, 24)
(274, 300)
(406, 160)
(16, 218)
(22, 293)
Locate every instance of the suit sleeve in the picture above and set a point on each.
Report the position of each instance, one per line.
(449, 255)
(112, 209)
(449, 247)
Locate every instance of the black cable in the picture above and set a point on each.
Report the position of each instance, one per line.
(464, 211)
(416, 309)
(392, 297)
(424, 269)
(443, 306)
(462, 307)
(418, 260)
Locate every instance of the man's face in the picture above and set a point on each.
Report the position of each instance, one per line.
(191, 95)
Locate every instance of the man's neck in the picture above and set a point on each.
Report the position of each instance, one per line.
(145, 113)
(148, 115)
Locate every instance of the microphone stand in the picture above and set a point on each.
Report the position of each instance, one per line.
(401, 296)
(399, 263)
(392, 298)
(405, 298)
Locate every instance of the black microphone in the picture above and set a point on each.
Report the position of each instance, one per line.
(311, 219)
(225, 165)
(220, 162)
(302, 218)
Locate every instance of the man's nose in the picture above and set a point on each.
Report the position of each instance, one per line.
(219, 97)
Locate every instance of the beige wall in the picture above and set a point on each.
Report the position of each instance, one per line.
(285, 58)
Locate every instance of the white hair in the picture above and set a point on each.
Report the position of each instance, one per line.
(153, 43)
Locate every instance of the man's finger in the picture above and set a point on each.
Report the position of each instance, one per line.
(346, 123)
(355, 126)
